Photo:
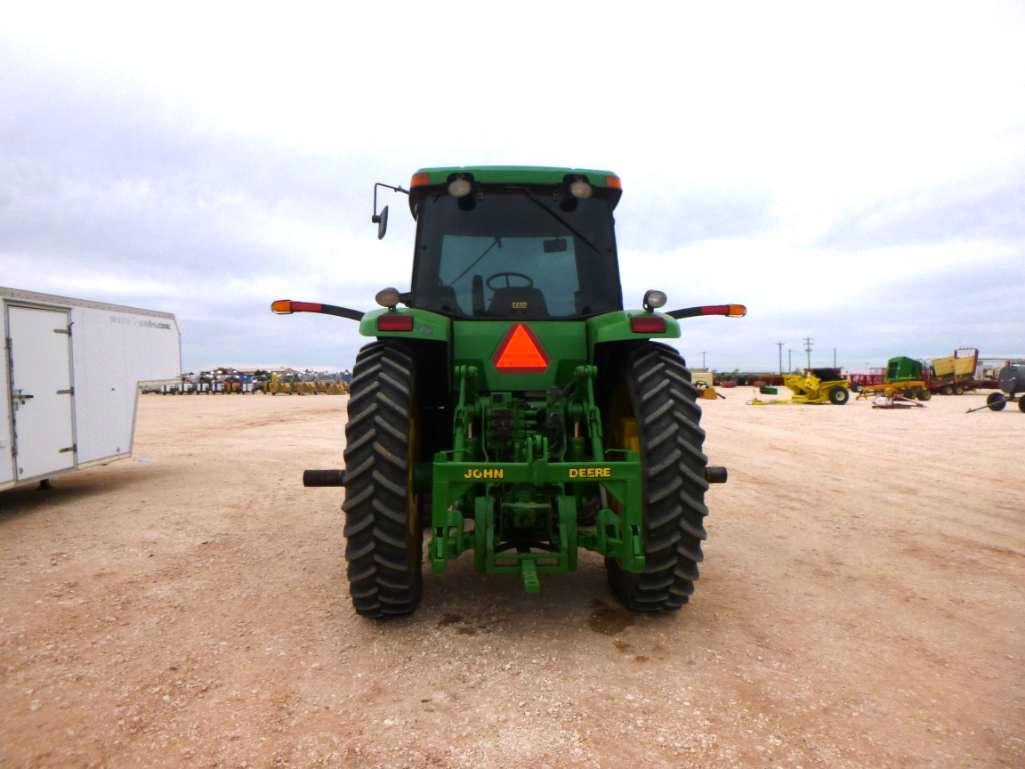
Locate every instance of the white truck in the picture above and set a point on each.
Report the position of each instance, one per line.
(69, 380)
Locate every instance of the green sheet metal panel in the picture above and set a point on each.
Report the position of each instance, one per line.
(475, 343)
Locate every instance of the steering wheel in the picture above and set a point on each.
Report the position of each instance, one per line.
(508, 283)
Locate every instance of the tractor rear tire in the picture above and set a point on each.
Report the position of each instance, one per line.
(838, 396)
(383, 535)
(924, 394)
(665, 407)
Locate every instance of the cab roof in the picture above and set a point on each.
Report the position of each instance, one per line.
(519, 174)
(437, 176)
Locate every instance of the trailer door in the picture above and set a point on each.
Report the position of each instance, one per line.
(41, 394)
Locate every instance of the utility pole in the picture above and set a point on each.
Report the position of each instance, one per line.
(790, 359)
(834, 357)
(704, 359)
(807, 348)
(780, 346)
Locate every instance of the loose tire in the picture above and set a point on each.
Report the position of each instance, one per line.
(665, 407)
(838, 396)
(384, 539)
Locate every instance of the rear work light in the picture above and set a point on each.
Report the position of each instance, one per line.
(460, 186)
(579, 188)
(648, 324)
(391, 321)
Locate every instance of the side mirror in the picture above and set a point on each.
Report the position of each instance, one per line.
(381, 220)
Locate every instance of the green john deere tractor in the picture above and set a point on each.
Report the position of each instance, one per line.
(510, 405)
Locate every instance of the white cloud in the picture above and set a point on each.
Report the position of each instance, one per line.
(240, 142)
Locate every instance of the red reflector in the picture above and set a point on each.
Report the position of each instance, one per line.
(648, 324)
(520, 352)
(393, 321)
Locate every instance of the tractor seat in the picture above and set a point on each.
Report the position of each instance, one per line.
(529, 302)
(439, 298)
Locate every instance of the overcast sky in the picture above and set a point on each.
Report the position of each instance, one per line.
(855, 174)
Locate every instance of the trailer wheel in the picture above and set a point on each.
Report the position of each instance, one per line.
(924, 394)
(958, 390)
(996, 401)
(384, 538)
(664, 405)
(948, 390)
(838, 396)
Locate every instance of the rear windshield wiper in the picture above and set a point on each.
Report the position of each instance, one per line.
(558, 218)
(496, 242)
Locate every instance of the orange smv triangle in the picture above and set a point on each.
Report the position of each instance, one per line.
(520, 352)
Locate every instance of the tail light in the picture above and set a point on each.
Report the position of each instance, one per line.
(392, 321)
(648, 324)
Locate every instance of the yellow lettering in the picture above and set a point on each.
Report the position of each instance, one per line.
(476, 474)
(590, 472)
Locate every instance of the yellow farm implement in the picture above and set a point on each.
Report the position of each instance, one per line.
(813, 387)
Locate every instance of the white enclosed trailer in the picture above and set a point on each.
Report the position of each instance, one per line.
(69, 380)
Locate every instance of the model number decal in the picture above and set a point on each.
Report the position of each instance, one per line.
(476, 473)
(590, 472)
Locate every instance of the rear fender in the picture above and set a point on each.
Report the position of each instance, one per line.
(615, 327)
(427, 326)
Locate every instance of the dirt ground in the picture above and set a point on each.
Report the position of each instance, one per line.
(861, 604)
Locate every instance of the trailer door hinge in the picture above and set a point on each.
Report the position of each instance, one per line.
(72, 447)
(68, 391)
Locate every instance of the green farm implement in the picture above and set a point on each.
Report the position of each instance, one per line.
(511, 407)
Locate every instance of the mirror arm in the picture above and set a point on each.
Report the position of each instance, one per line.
(376, 217)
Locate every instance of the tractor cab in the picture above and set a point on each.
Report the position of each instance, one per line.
(490, 246)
